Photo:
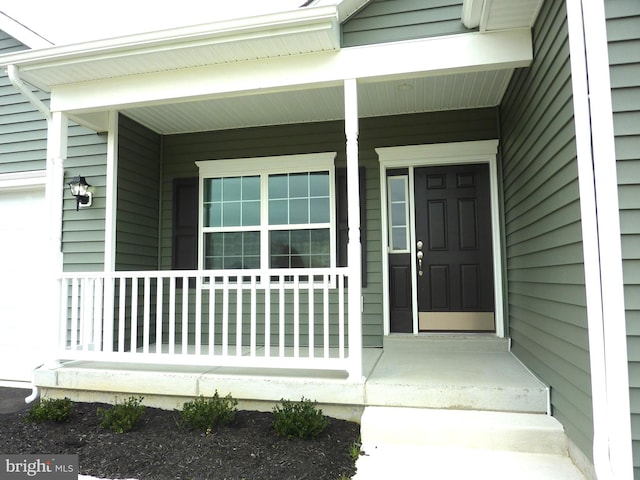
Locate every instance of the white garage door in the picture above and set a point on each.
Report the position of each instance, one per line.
(23, 311)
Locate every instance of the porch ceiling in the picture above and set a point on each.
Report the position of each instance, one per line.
(376, 98)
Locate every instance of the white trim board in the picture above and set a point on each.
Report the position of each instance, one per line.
(458, 153)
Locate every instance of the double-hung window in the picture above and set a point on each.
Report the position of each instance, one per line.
(271, 212)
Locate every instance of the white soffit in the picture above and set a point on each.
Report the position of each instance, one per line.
(500, 14)
(300, 31)
(388, 97)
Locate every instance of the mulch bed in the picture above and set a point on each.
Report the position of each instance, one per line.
(160, 448)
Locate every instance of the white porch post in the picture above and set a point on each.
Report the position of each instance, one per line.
(110, 230)
(354, 295)
(54, 194)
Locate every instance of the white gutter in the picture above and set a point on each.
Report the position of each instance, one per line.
(612, 444)
(16, 81)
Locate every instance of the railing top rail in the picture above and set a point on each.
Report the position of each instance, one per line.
(221, 274)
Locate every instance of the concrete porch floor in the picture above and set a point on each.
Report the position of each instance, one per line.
(452, 372)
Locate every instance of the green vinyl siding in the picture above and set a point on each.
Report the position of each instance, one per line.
(83, 230)
(181, 151)
(545, 276)
(623, 32)
(137, 223)
(396, 20)
(23, 129)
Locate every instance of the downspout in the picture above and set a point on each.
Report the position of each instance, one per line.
(612, 456)
(16, 81)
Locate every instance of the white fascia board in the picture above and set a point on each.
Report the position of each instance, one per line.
(21, 33)
(432, 56)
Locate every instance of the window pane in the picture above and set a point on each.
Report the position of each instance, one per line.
(212, 189)
(251, 213)
(250, 188)
(231, 214)
(319, 184)
(232, 250)
(397, 189)
(231, 188)
(298, 185)
(319, 210)
(399, 238)
(300, 248)
(213, 215)
(278, 186)
(278, 212)
(298, 211)
(398, 214)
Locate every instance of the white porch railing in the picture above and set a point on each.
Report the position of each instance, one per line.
(286, 319)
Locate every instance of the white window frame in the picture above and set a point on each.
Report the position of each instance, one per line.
(263, 167)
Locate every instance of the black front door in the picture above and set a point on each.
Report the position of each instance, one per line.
(453, 248)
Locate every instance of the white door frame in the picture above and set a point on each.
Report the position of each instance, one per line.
(458, 153)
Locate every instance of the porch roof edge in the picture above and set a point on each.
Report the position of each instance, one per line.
(36, 65)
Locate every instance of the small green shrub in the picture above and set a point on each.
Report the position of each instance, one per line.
(299, 419)
(205, 414)
(52, 410)
(122, 417)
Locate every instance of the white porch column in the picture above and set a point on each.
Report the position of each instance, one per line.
(354, 246)
(110, 229)
(57, 134)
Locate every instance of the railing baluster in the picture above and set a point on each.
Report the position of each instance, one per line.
(159, 304)
(281, 318)
(74, 314)
(134, 315)
(252, 306)
(146, 318)
(64, 315)
(86, 312)
(185, 315)
(239, 296)
(267, 317)
(198, 319)
(225, 315)
(212, 316)
(122, 313)
(97, 313)
(340, 315)
(172, 315)
(311, 301)
(325, 311)
(296, 315)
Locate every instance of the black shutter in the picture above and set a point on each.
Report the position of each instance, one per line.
(185, 224)
(342, 219)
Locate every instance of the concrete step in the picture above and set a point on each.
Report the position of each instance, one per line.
(448, 343)
(450, 463)
(502, 431)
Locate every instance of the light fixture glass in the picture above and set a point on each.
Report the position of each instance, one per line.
(80, 189)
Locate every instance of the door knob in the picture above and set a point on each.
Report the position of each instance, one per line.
(420, 255)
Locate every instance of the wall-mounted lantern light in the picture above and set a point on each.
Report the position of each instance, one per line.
(80, 189)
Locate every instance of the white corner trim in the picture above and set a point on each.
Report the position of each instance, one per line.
(604, 283)
(23, 180)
